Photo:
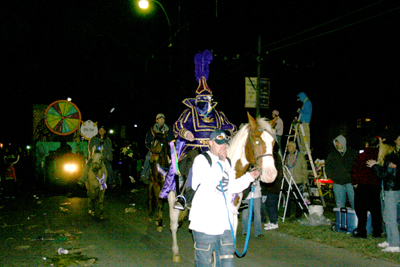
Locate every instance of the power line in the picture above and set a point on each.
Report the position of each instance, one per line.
(310, 38)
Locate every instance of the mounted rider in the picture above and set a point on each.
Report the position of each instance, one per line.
(158, 127)
(195, 124)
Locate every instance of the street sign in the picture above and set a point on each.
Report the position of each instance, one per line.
(251, 93)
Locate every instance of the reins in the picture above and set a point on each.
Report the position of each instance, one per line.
(256, 165)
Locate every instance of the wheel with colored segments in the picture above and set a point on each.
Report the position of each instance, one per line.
(62, 117)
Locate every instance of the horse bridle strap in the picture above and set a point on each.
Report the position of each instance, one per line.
(256, 157)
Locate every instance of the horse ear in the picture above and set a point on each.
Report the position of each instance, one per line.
(252, 121)
(272, 122)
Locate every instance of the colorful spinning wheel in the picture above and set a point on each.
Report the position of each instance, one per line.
(62, 117)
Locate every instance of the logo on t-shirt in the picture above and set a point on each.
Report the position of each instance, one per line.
(224, 181)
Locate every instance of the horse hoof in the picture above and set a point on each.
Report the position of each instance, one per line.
(176, 258)
(160, 229)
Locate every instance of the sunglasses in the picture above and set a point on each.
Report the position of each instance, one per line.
(221, 137)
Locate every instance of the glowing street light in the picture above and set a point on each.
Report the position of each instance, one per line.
(143, 4)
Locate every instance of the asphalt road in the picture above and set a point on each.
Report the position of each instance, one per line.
(35, 225)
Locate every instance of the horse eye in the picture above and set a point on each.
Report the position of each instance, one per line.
(258, 142)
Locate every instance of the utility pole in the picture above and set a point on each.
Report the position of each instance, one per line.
(258, 78)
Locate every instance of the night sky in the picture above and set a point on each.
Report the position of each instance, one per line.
(343, 54)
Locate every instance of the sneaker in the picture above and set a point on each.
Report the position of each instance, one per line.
(383, 245)
(272, 226)
(267, 224)
(391, 249)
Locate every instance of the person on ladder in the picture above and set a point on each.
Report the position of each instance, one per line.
(305, 118)
(297, 165)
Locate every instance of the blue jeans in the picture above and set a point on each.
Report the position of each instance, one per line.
(340, 191)
(271, 206)
(257, 216)
(392, 198)
(205, 244)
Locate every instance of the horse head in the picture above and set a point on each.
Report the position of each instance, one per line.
(97, 160)
(252, 146)
(159, 147)
(259, 147)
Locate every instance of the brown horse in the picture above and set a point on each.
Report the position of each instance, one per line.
(96, 185)
(158, 159)
(252, 146)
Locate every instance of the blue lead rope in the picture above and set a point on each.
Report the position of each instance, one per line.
(248, 226)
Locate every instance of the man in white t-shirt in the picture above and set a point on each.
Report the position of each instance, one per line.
(209, 212)
(278, 128)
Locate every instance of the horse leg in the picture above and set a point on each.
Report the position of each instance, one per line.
(101, 203)
(173, 216)
(159, 206)
(90, 193)
(150, 200)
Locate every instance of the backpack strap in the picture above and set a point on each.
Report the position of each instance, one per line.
(209, 159)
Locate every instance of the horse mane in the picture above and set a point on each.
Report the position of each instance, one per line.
(237, 144)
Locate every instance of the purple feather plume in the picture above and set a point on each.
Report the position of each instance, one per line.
(201, 61)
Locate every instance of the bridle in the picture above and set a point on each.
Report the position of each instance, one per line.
(161, 154)
(257, 157)
(97, 165)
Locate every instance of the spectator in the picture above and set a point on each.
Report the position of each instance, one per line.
(305, 119)
(209, 212)
(270, 192)
(367, 191)
(297, 165)
(391, 182)
(338, 169)
(10, 179)
(278, 128)
(256, 212)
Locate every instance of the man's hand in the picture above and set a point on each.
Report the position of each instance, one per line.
(371, 163)
(190, 136)
(255, 174)
(222, 154)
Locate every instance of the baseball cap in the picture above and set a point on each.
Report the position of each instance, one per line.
(160, 115)
(219, 137)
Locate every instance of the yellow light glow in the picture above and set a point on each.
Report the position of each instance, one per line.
(70, 167)
(367, 119)
(143, 4)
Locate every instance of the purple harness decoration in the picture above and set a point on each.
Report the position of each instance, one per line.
(169, 183)
(102, 181)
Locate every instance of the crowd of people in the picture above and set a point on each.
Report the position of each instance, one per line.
(201, 128)
(359, 179)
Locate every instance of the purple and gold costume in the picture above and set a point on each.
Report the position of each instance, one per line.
(200, 118)
(200, 125)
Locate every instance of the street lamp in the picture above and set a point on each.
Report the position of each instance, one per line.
(145, 4)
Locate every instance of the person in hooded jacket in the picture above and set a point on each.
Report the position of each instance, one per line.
(338, 168)
(367, 189)
(305, 118)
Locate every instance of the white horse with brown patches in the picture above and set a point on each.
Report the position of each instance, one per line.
(252, 146)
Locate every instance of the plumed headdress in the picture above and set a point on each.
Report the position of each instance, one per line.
(202, 60)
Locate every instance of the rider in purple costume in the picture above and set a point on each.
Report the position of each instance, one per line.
(198, 121)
